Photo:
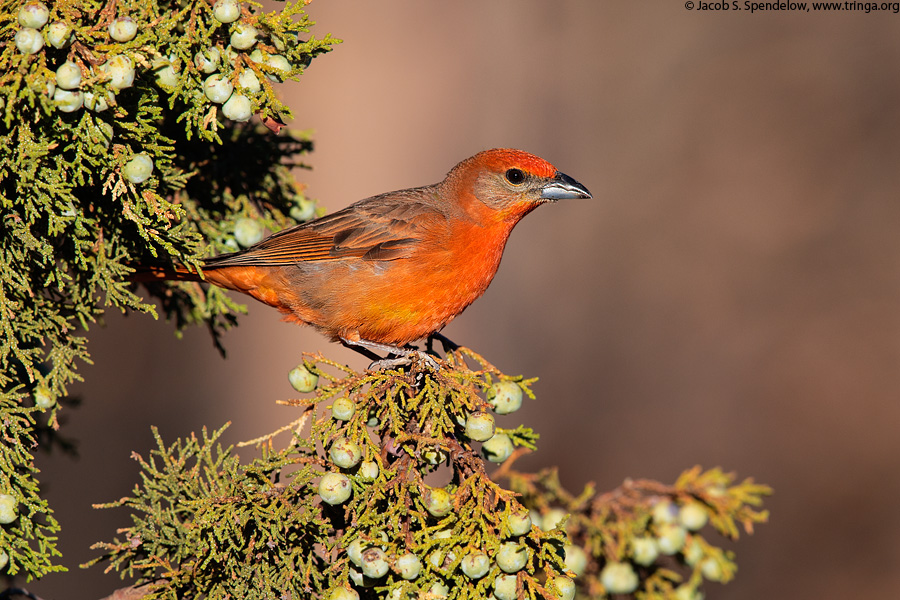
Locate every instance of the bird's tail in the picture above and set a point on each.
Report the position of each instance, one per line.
(171, 272)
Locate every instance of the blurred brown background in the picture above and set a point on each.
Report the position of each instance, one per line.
(728, 298)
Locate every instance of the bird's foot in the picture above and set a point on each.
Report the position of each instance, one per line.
(397, 356)
(448, 344)
(407, 359)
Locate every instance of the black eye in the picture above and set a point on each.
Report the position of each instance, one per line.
(515, 176)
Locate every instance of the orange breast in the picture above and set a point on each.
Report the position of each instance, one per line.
(404, 300)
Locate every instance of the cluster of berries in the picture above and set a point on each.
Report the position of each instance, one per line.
(670, 533)
(66, 88)
(505, 397)
(371, 560)
(74, 84)
(219, 87)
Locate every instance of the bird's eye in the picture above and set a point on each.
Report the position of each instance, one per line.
(515, 176)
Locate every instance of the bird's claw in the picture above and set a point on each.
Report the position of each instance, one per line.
(401, 356)
(408, 357)
(430, 361)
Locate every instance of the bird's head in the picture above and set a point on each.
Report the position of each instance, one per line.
(513, 183)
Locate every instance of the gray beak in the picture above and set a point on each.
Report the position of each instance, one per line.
(563, 187)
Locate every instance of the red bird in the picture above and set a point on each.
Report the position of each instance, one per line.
(397, 267)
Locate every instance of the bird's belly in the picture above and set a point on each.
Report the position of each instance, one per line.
(402, 302)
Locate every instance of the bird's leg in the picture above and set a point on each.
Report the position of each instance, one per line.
(403, 356)
(360, 349)
(448, 344)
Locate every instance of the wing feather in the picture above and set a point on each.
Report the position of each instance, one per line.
(381, 228)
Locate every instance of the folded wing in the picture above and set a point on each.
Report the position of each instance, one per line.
(382, 228)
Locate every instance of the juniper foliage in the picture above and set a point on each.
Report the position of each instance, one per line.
(349, 502)
(78, 212)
